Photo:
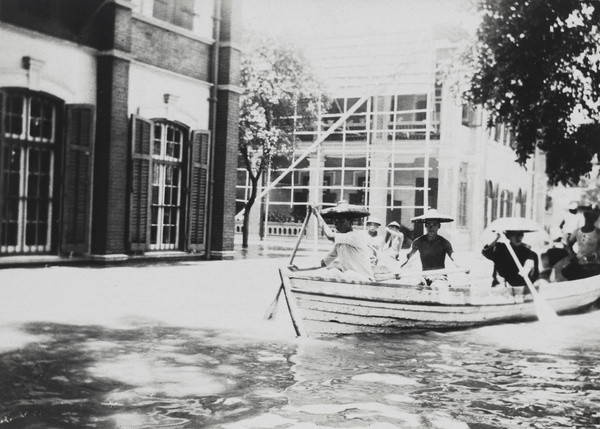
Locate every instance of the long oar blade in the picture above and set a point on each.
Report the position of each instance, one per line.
(543, 310)
(272, 309)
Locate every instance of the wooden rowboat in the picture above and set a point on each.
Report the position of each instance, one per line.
(326, 306)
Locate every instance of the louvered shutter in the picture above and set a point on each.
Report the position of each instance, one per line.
(2, 160)
(198, 191)
(140, 184)
(77, 179)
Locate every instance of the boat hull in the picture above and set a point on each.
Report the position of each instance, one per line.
(324, 306)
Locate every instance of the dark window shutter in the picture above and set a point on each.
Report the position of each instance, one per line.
(77, 179)
(2, 160)
(198, 190)
(139, 190)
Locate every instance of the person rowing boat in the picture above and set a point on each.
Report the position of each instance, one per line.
(350, 257)
(432, 248)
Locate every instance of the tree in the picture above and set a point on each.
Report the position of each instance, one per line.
(537, 70)
(281, 93)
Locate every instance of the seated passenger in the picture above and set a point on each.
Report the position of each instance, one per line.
(393, 241)
(374, 239)
(505, 268)
(350, 257)
(585, 262)
(387, 260)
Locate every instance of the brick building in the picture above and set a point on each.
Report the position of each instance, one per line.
(119, 128)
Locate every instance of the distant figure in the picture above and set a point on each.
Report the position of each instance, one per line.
(393, 241)
(432, 247)
(374, 239)
(585, 262)
(350, 257)
(571, 221)
(505, 268)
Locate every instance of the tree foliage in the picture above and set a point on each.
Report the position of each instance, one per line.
(281, 94)
(537, 70)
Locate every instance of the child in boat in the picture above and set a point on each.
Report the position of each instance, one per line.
(586, 261)
(393, 241)
(505, 268)
(350, 257)
(432, 248)
(374, 239)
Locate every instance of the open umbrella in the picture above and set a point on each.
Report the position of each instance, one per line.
(535, 236)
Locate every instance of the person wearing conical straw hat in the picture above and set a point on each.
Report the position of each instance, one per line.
(432, 247)
(350, 257)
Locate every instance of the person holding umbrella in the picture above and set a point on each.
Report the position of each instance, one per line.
(505, 268)
(432, 248)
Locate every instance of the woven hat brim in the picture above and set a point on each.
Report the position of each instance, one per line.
(420, 219)
(351, 212)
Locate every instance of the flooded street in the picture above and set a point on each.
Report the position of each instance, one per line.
(185, 346)
(149, 376)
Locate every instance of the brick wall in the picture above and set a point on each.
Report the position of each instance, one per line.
(171, 51)
(225, 175)
(111, 157)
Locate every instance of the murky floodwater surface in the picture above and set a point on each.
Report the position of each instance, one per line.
(507, 376)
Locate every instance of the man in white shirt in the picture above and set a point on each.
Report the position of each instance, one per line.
(350, 256)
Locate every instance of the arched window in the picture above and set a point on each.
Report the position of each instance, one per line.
(503, 203)
(46, 167)
(168, 197)
(489, 202)
(523, 211)
(29, 162)
(495, 205)
(509, 203)
(519, 204)
(169, 140)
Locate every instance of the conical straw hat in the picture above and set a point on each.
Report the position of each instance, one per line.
(432, 214)
(343, 209)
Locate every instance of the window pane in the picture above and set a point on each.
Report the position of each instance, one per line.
(157, 139)
(184, 14)
(162, 10)
(14, 114)
(35, 121)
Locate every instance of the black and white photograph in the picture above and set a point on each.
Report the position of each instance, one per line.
(300, 214)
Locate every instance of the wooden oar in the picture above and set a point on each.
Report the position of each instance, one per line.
(272, 310)
(543, 310)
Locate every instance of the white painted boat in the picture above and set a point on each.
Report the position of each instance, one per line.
(326, 306)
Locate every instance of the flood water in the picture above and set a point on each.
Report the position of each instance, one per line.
(527, 375)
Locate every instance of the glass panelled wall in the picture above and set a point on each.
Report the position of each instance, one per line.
(381, 157)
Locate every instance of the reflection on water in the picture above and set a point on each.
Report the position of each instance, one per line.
(524, 375)
(507, 376)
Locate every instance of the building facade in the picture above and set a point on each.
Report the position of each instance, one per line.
(404, 144)
(118, 133)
